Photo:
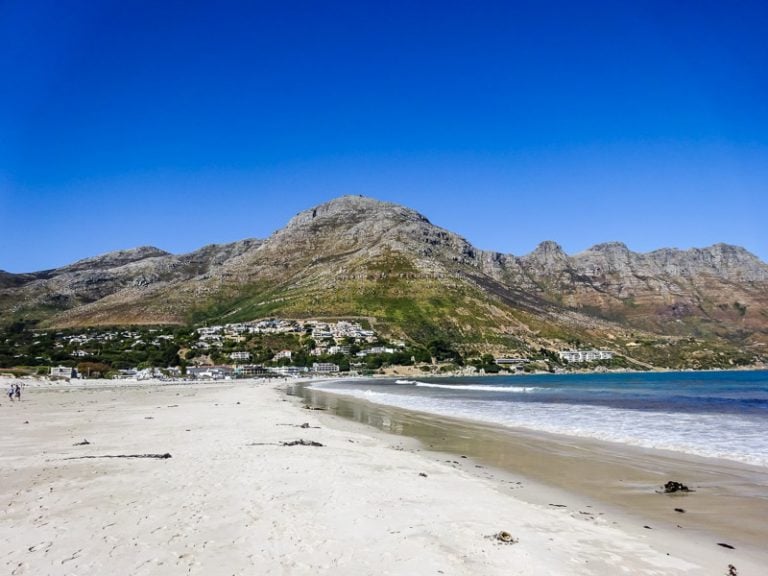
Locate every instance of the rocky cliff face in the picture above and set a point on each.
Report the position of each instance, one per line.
(716, 289)
(358, 256)
(123, 275)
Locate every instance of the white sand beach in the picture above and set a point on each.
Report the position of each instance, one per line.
(233, 499)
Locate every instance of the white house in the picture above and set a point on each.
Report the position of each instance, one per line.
(62, 372)
(338, 350)
(283, 354)
(324, 367)
(250, 370)
(376, 350)
(585, 355)
(288, 370)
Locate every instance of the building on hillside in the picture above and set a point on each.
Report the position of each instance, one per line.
(289, 370)
(511, 361)
(338, 350)
(210, 372)
(376, 350)
(63, 372)
(248, 370)
(240, 356)
(324, 367)
(149, 374)
(585, 355)
(283, 354)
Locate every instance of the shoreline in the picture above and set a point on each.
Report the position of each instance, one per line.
(234, 498)
(697, 432)
(729, 500)
(412, 371)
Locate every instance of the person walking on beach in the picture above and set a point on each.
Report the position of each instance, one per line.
(11, 392)
(17, 392)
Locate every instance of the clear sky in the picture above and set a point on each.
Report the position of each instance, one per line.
(179, 124)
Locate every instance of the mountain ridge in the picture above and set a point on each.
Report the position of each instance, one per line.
(359, 256)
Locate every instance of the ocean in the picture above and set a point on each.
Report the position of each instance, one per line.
(710, 414)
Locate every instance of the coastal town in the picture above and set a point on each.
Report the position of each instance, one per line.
(273, 347)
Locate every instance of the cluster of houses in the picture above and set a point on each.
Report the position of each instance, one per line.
(328, 337)
(257, 370)
(319, 330)
(331, 338)
(585, 355)
(326, 334)
(85, 343)
(224, 372)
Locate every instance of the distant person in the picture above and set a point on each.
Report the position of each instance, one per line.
(17, 392)
(11, 392)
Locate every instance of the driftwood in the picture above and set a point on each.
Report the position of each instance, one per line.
(83, 443)
(301, 443)
(291, 443)
(157, 456)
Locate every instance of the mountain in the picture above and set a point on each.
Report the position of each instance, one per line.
(359, 257)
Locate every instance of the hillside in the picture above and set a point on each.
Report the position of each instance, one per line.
(356, 256)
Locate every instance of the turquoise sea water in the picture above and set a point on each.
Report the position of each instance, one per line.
(714, 414)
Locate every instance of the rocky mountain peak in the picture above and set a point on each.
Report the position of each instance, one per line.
(547, 251)
(608, 257)
(116, 258)
(548, 258)
(346, 210)
(611, 248)
(365, 226)
(720, 260)
(548, 247)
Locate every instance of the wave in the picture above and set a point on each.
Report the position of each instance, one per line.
(479, 387)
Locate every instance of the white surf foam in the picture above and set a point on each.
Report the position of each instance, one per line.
(738, 438)
(479, 387)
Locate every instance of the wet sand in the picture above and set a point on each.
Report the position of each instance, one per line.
(728, 502)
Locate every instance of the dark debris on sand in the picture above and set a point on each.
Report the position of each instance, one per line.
(673, 487)
(164, 456)
(301, 443)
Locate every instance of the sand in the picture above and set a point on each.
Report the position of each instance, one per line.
(232, 499)
(728, 502)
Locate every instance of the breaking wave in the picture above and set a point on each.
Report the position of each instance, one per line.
(479, 387)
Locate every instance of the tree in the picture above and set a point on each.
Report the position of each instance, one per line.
(441, 350)
(93, 369)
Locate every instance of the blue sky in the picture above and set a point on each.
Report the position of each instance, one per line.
(179, 124)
